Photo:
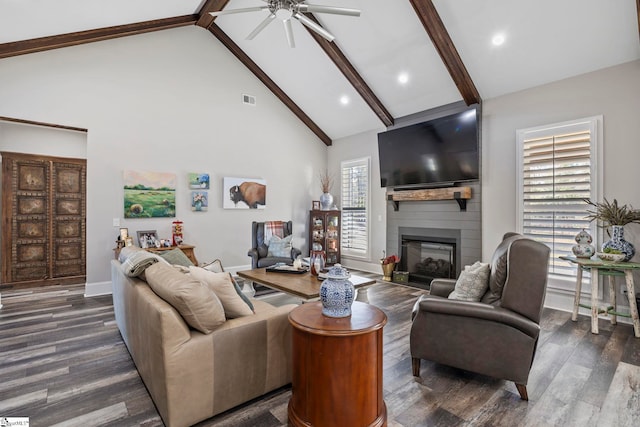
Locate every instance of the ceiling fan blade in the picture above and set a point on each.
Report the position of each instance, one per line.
(313, 26)
(328, 9)
(246, 9)
(288, 29)
(268, 20)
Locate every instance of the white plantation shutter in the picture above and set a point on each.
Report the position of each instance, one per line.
(557, 172)
(355, 207)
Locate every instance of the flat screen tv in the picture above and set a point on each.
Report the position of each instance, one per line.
(436, 153)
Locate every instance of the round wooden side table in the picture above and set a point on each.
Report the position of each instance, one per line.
(337, 368)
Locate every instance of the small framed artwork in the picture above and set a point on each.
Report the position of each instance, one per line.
(244, 193)
(198, 181)
(199, 201)
(315, 205)
(148, 239)
(124, 233)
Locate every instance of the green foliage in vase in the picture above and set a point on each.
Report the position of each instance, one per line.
(612, 213)
(608, 250)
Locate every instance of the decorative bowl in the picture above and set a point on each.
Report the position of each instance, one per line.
(610, 257)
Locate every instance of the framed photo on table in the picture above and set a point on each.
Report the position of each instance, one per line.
(315, 205)
(148, 239)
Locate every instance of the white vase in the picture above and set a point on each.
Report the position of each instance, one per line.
(326, 201)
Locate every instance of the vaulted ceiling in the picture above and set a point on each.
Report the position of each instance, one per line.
(442, 48)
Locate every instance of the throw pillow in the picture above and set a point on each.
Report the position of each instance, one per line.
(176, 257)
(472, 283)
(280, 247)
(196, 303)
(215, 266)
(222, 285)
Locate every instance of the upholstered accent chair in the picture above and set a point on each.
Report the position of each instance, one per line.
(259, 251)
(496, 336)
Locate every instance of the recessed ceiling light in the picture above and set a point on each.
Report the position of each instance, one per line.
(498, 39)
(344, 100)
(403, 78)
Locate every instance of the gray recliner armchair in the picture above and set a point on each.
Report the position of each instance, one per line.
(259, 250)
(497, 336)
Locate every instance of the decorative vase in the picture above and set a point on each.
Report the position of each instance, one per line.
(336, 293)
(617, 242)
(584, 248)
(326, 201)
(387, 271)
(317, 262)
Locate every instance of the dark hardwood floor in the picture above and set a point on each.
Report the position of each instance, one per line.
(62, 362)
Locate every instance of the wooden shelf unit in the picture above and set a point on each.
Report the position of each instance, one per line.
(459, 194)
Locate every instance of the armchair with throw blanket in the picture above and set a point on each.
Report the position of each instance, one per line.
(494, 333)
(271, 243)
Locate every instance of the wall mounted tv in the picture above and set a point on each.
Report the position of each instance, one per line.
(436, 153)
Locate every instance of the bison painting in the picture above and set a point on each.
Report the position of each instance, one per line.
(251, 193)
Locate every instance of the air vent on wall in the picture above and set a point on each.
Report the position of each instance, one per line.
(249, 99)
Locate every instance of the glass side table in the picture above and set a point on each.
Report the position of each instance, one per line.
(611, 270)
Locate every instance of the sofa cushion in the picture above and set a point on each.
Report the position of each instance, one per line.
(223, 286)
(472, 283)
(196, 303)
(176, 257)
(498, 275)
(280, 247)
(135, 260)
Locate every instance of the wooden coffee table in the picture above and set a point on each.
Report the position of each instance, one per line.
(305, 286)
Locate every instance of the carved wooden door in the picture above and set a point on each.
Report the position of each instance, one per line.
(43, 219)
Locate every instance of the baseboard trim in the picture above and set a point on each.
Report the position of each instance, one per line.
(97, 289)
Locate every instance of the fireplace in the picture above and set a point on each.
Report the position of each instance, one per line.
(429, 254)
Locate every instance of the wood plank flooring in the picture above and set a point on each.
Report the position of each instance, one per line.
(63, 363)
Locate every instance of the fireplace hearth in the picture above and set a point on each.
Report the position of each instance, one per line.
(429, 254)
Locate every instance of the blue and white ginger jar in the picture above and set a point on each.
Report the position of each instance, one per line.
(336, 293)
(617, 242)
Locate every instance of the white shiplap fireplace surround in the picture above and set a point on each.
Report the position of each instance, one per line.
(439, 218)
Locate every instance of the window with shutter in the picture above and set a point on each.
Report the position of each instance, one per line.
(355, 207)
(557, 172)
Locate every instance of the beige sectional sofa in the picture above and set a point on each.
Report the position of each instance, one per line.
(192, 376)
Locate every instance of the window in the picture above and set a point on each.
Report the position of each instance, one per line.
(355, 207)
(557, 171)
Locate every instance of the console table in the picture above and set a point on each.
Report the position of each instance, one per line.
(337, 368)
(609, 269)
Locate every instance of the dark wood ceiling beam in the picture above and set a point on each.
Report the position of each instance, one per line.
(270, 84)
(210, 6)
(348, 70)
(432, 23)
(81, 37)
(638, 12)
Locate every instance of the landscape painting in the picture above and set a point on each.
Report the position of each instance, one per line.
(244, 193)
(198, 181)
(149, 194)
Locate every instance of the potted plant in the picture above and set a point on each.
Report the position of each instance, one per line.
(615, 216)
(388, 265)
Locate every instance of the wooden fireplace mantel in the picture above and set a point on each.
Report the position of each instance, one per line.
(459, 194)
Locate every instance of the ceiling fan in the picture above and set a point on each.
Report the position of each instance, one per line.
(288, 9)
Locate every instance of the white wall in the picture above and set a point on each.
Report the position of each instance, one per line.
(613, 92)
(169, 101)
(356, 147)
